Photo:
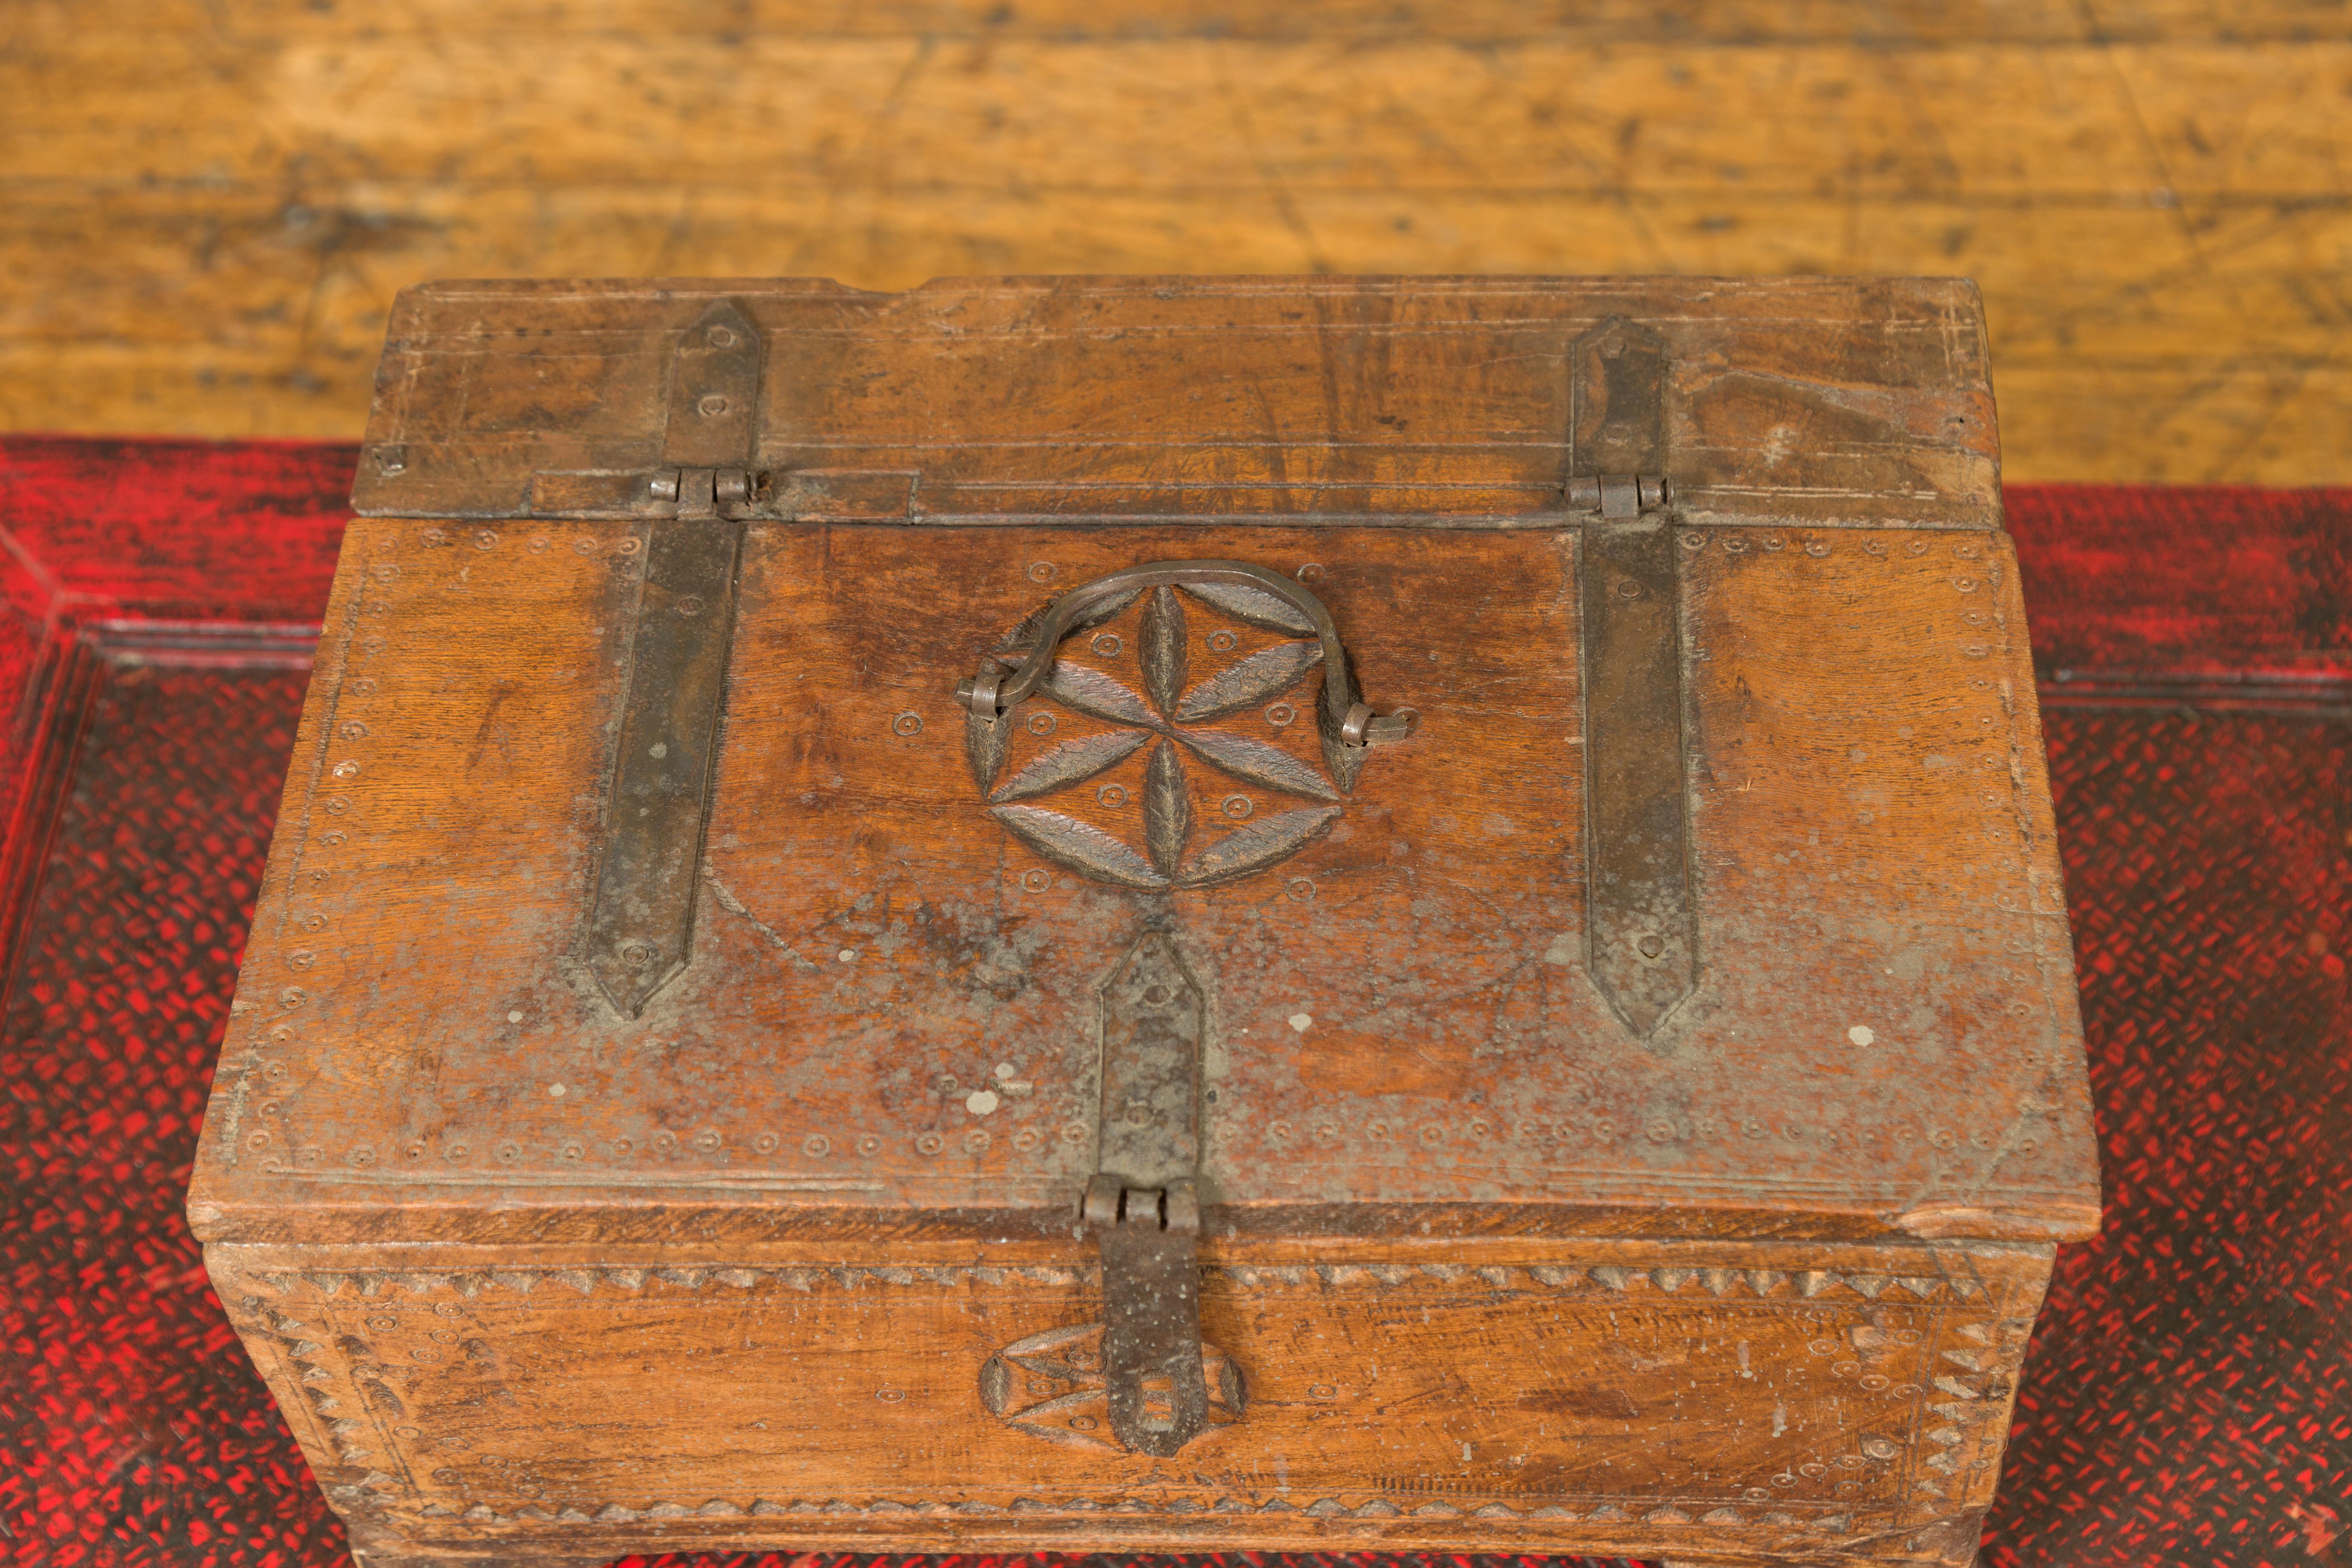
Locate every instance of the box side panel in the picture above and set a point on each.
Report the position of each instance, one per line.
(236, 1129)
(1633, 1399)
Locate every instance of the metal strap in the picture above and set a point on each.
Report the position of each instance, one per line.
(639, 931)
(1641, 919)
(1142, 1206)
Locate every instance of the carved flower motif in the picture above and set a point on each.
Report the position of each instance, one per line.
(1172, 717)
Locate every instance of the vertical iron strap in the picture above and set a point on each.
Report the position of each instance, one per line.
(639, 933)
(1640, 918)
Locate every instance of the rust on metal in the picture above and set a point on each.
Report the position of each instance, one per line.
(639, 931)
(1641, 925)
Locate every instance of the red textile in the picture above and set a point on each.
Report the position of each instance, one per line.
(2186, 1401)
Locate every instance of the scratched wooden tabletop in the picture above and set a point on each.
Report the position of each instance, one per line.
(205, 208)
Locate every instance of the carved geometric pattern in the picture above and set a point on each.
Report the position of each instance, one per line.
(1052, 1386)
(1170, 716)
(1823, 1285)
(1355, 1506)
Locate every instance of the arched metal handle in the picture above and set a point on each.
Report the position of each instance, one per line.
(1345, 716)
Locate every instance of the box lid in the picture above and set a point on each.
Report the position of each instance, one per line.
(1536, 755)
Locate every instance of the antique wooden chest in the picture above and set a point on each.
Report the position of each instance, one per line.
(1161, 914)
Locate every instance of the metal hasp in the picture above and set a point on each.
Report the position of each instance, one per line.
(639, 933)
(1142, 1206)
(1640, 918)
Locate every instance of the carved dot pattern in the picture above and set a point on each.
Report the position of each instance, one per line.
(2185, 1399)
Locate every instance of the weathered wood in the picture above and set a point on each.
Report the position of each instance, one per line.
(1492, 1257)
(2150, 195)
(1618, 1398)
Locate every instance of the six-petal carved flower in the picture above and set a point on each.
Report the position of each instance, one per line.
(1171, 721)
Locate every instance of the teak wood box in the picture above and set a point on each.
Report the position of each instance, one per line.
(1523, 915)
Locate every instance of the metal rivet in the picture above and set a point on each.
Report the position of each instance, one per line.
(1300, 890)
(1112, 796)
(1107, 644)
(712, 406)
(1310, 572)
(1036, 882)
(1237, 806)
(1629, 589)
(1042, 571)
(1281, 714)
(1222, 641)
(908, 723)
(720, 337)
(636, 954)
(816, 1146)
(1042, 723)
(689, 606)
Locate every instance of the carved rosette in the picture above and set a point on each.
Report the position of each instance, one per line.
(1181, 722)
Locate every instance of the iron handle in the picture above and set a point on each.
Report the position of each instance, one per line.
(991, 691)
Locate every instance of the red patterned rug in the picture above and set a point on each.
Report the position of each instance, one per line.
(2188, 1396)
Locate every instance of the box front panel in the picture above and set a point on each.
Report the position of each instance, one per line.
(1623, 1397)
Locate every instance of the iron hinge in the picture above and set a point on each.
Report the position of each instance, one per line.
(1641, 916)
(733, 493)
(1617, 495)
(638, 933)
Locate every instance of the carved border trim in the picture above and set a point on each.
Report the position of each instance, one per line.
(1605, 1513)
(1774, 1284)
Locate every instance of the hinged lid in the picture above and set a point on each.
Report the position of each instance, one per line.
(1373, 757)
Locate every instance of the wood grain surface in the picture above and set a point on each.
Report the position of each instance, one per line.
(1751, 1401)
(540, 1263)
(209, 209)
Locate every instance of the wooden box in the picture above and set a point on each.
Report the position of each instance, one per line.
(1163, 914)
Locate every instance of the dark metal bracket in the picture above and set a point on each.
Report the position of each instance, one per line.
(639, 931)
(1142, 1206)
(1640, 914)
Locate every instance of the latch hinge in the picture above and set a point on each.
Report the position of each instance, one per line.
(1150, 1242)
(1141, 1207)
